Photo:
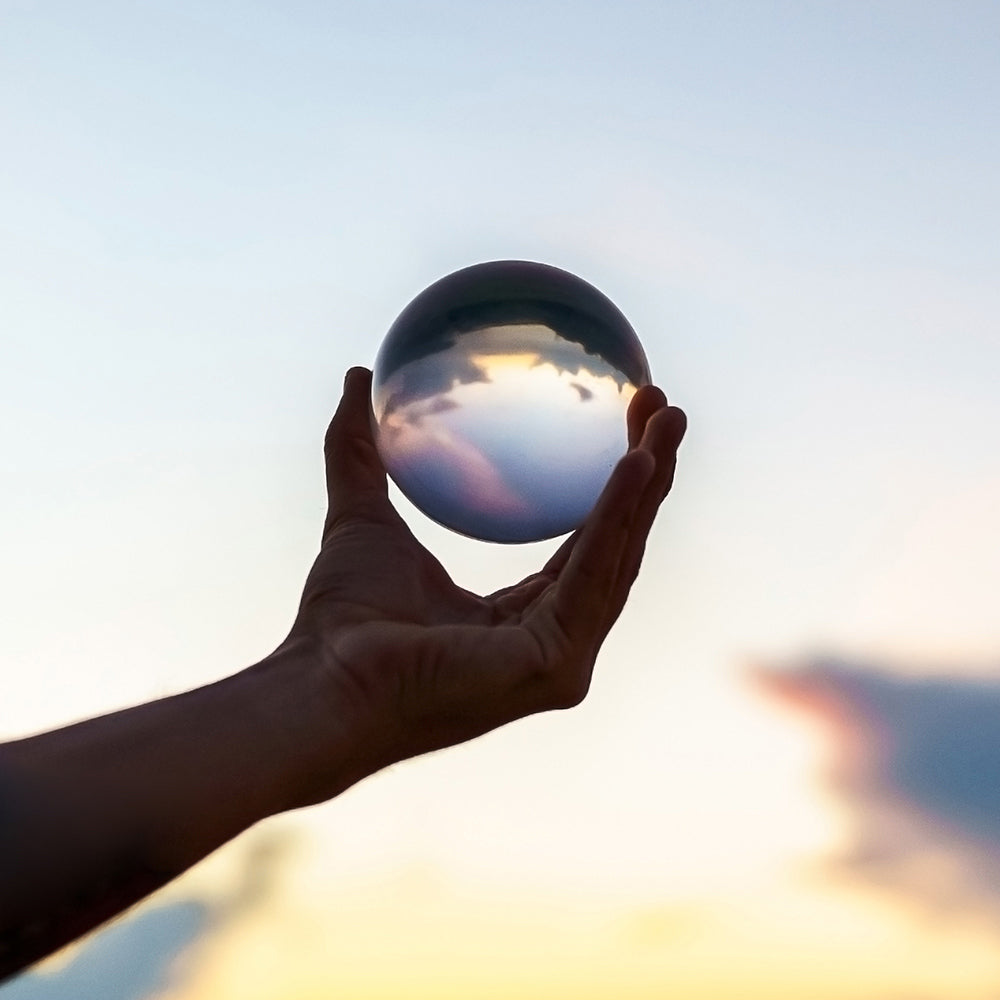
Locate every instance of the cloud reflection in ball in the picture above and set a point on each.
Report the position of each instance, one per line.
(500, 396)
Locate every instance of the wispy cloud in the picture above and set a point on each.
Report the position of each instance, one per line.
(917, 762)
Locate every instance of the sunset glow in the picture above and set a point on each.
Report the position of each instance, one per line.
(785, 781)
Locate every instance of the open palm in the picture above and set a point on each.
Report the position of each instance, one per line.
(417, 662)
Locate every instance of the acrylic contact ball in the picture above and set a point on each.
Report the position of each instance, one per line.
(500, 396)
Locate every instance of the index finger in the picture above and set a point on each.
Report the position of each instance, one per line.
(661, 438)
(587, 583)
(645, 404)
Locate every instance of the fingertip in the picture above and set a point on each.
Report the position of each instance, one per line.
(647, 401)
(357, 376)
(651, 395)
(352, 414)
(678, 422)
(664, 430)
(356, 477)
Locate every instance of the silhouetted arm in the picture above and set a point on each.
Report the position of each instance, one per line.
(387, 659)
(97, 815)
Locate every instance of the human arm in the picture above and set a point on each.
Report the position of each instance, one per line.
(387, 659)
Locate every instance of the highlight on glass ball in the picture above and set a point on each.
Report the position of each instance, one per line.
(500, 397)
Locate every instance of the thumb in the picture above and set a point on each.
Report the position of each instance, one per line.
(355, 476)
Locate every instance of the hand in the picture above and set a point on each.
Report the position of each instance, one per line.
(387, 659)
(410, 661)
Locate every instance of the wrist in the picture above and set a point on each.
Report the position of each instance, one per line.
(313, 751)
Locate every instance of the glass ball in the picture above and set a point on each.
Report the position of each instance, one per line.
(500, 396)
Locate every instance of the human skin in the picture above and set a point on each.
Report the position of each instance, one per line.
(387, 659)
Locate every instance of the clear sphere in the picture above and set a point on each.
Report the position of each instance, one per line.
(500, 397)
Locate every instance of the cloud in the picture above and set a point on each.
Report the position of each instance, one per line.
(464, 358)
(448, 476)
(508, 299)
(917, 762)
(132, 959)
(428, 378)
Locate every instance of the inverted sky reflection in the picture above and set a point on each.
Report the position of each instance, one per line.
(508, 434)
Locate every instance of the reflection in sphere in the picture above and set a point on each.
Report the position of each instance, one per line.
(500, 396)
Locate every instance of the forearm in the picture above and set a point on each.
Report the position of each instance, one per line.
(97, 815)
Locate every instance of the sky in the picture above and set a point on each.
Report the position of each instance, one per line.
(209, 211)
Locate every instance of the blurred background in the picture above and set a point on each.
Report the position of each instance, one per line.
(786, 780)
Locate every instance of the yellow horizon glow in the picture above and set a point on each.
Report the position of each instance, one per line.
(410, 938)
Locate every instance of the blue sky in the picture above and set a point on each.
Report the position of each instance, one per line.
(209, 211)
